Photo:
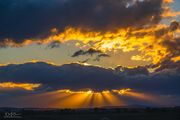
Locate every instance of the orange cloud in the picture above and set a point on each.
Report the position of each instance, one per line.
(122, 91)
(25, 86)
(168, 12)
(143, 40)
(175, 59)
(147, 40)
(168, 1)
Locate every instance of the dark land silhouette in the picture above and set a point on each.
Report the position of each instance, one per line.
(109, 113)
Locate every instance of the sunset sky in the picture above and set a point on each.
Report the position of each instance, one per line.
(89, 53)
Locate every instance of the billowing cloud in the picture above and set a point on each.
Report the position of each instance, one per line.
(103, 25)
(57, 86)
(78, 77)
(16, 16)
(97, 27)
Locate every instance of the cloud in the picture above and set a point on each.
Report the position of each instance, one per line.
(78, 53)
(58, 77)
(30, 19)
(84, 61)
(167, 64)
(76, 76)
(104, 25)
(172, 46)
(99, 54)
(140, 70)
(98, 57)
(161, 42)
(90, 51)
(174, 25)
(25, 86)
(54, 44)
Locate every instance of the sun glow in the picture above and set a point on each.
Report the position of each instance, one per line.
(138, 95)
(122, 91)
(90, 98)
(67, 98)
(87, 98)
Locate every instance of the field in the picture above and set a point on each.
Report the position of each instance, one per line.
(91, 114)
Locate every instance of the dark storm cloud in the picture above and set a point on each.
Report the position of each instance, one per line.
(26, 19)
(76, 76)
(167, 64)
(140, 70)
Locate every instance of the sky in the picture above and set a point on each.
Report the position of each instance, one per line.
(105, 52)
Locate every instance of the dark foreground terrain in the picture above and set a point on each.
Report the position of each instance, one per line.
(91, 114)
